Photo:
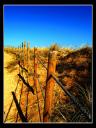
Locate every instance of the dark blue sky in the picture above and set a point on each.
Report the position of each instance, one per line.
(69, 26)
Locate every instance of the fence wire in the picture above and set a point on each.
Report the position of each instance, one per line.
(75, 101)
(72, 97)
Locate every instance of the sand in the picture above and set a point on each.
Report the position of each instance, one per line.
(9, 83)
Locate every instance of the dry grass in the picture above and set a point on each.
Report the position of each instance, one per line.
(74, 70)
(75, 63)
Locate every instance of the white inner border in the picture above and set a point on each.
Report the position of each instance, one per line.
(92, 62)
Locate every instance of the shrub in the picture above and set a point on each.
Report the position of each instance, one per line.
(54, 47)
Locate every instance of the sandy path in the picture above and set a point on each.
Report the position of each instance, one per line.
(9, 82)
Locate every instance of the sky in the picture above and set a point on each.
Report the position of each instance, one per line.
(68, 26)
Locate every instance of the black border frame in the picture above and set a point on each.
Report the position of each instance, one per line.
(1, 58)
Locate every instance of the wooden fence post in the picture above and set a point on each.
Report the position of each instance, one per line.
(22, 55)
(19, 57)
(35, 68)
(36, 81)
(28, 59)
(49, 86)
(28, 55)
(25, 54)
(21, 47)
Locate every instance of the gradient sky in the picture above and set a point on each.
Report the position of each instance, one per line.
(69, 26)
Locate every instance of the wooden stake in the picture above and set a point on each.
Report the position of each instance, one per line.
(36, 81)
(25, 54)
(49, 86)
(28, 55)
(28, 59)
(22, 52)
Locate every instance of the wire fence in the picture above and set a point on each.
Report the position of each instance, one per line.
(47, 93)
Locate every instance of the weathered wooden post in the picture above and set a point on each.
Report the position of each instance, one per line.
(22, 54)
(28, 61)
(35, 68)
(19, 57)
(25, 54)
(49, 86)
(28, 55)
(36, 80)
(21, 50)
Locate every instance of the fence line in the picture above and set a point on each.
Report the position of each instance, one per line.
(50, 83)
